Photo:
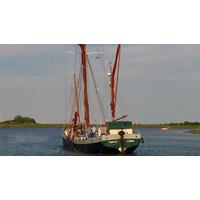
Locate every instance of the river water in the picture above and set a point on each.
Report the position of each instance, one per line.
(48, 142)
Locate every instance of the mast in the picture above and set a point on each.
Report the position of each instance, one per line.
(86, 104)
(113, 85)
(76, 96)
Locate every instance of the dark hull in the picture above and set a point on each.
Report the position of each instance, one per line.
(94, 148)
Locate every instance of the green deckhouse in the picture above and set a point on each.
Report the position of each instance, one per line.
(121, 136)
(120, 125)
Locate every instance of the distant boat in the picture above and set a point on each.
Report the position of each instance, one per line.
(113, 136)
(164, 129)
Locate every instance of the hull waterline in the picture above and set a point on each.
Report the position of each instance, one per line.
(100, 147)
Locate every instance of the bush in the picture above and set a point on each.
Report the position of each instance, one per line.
(23, 120)
(20, 120)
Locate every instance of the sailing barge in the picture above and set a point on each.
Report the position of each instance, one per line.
(114, 136)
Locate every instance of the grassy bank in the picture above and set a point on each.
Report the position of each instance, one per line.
(135, 126)
(31, 125)
(167, 125)
(28, 122)
(195, 131)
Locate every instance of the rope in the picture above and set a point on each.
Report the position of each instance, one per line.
(120, 107)
(105, 82)
(96, 90)
(65, 83)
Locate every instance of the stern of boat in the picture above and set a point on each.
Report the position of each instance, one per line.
(122, 143)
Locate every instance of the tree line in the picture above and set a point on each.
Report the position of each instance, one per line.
(20, 120)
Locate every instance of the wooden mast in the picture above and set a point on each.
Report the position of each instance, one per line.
(77, 103)
(86, 104)
(114, 88)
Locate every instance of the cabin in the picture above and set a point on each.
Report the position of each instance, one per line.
(116, 126)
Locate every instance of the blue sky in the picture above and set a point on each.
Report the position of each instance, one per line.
(158, 83)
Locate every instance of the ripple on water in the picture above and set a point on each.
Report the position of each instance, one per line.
(48, 142)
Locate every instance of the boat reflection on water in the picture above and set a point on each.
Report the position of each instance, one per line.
(71, 152)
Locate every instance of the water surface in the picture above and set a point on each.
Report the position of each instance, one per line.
(48, 142)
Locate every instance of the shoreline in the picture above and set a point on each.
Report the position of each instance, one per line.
(194, 131)
(31, 126)
(195, 127)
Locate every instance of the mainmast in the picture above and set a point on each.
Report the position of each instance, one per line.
(113, 83)
(86, 104)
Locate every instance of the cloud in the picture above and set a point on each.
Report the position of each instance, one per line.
(37, 96)
(160, 62)
(157, 82)
(29, 49)
(31, 60)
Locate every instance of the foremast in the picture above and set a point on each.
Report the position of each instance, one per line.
(84, 66)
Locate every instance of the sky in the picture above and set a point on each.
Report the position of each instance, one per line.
(158, 83)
